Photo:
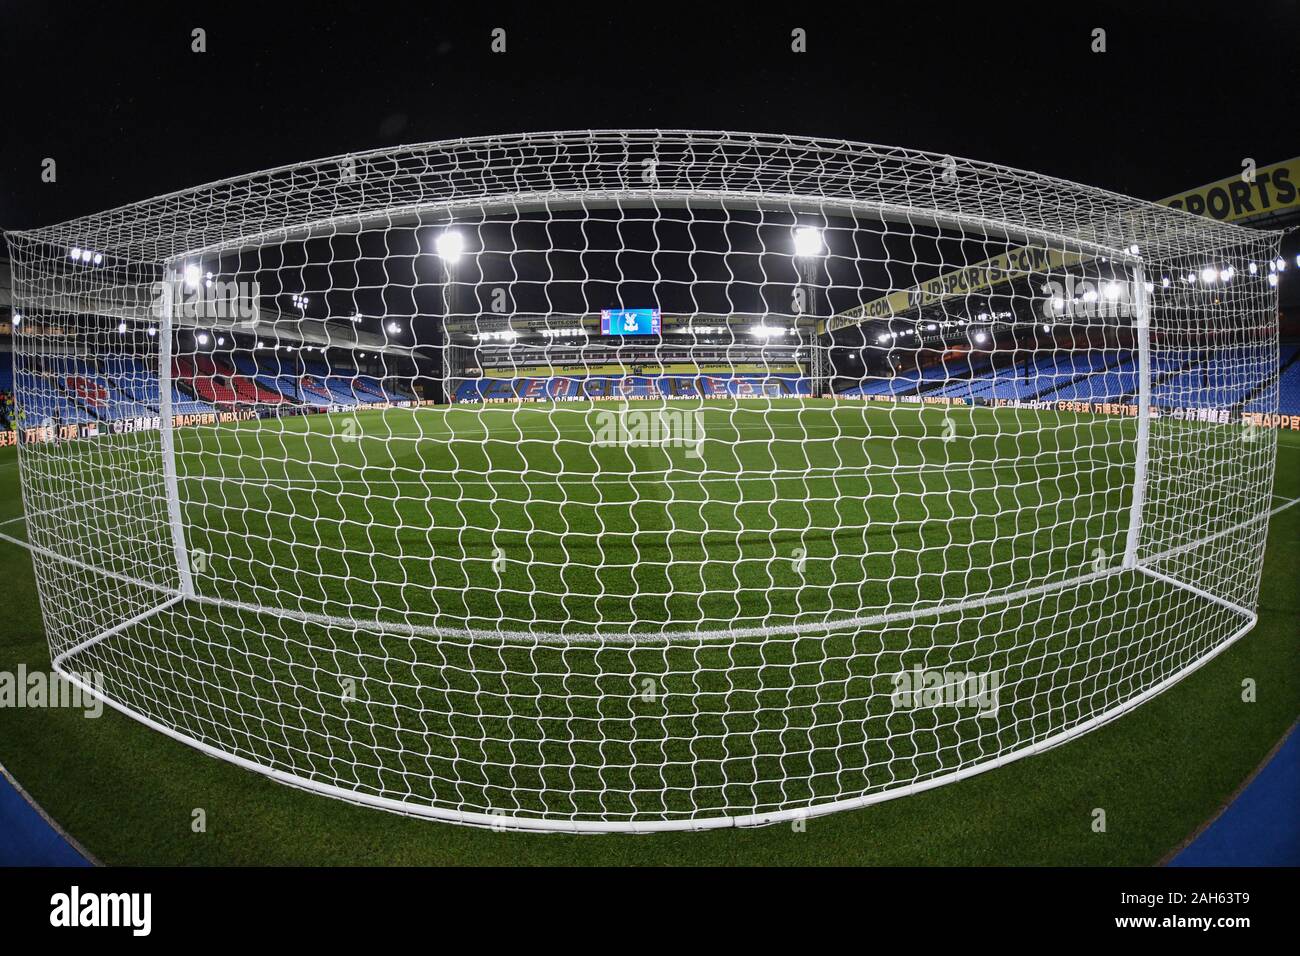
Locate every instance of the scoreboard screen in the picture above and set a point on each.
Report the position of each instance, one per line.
(629, 322)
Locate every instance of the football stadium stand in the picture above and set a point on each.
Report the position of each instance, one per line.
(561, 388)
(77, 391)
(1178, 379)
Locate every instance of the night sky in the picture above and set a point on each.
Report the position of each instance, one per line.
(114, 94)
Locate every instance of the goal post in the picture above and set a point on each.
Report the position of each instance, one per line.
(166, 430)
(1142, 334)
(640, 479)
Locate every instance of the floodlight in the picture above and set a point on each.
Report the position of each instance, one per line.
(450, 245)
(808, 242)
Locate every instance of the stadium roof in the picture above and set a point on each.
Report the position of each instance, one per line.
(1264, 197)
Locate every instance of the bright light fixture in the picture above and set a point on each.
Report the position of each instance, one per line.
(808, 241)
(450, 245)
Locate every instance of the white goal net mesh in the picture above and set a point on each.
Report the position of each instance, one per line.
(638, 480)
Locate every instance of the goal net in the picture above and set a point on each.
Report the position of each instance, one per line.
(641, 480)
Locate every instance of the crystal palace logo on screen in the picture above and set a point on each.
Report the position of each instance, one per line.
(629, 322)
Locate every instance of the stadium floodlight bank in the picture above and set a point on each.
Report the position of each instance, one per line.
(885, 468)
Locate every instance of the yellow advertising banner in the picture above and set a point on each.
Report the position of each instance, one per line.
(982, 276)
(1250, 195)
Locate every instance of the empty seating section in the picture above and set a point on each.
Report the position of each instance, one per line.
(313, 392)
(347, 387)
(140, 384)
(385, 393)
(243, 380)
(1093, 375)
(1288, 398)
(67, 390)
(249, 369)
(112, 387)
(58, 392)
(223, 379)
(631, 386)
(1219, 378)
(1288, 383)
(104, 394)
(206, 387)
(46, 401)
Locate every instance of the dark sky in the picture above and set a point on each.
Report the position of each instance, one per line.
(114, 95)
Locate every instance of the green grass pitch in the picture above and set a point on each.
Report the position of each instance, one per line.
(715, 571)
